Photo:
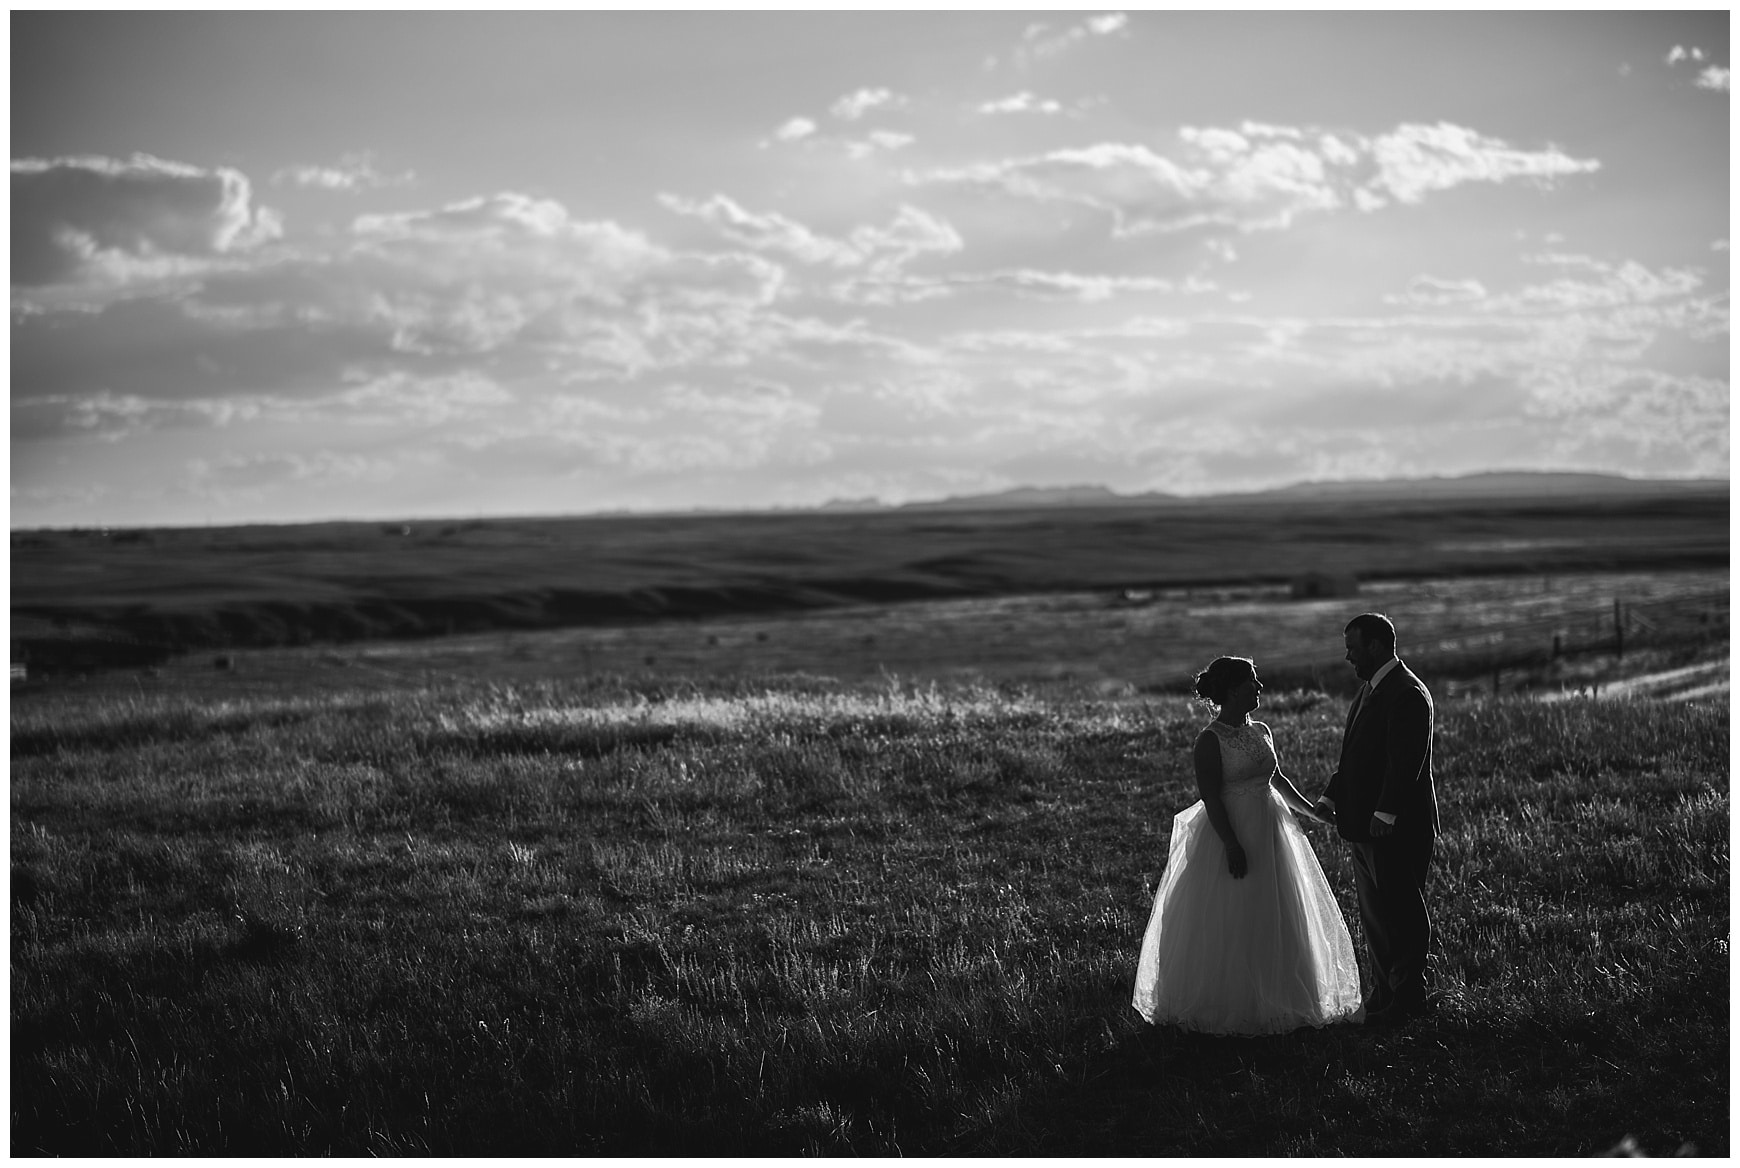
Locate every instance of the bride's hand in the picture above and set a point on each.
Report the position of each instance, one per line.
(1235, 861)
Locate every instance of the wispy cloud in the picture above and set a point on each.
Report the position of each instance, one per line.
(1027, 283)
(1430, 291)
(353, 173)
(1260, 177)
(1040, 40)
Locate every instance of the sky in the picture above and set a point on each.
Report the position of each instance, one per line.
(277, 267)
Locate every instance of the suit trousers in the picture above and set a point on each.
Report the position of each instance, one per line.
(1390, 877)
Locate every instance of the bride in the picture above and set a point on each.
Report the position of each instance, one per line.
(1245, 936)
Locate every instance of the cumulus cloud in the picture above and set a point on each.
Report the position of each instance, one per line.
(1712, 76)
(795, 128)
(1146, 191)
(1416, 160)
(769, 231)
(1019, 103)
(353, 173)
(911, 233)
(422, 316)
(855, 105)
(1259, 176)
(75, 217)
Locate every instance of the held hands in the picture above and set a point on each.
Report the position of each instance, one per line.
(1322, 812)
(1381, 827)
(1235, 861)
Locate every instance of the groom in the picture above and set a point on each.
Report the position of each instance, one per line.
(1382, 802)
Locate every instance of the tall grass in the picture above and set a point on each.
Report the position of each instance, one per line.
(798, 917)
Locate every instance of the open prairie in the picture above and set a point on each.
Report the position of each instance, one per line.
(856, 878)
(789, 915)
(228, 587)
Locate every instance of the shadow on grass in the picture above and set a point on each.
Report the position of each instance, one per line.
(1452, 1083)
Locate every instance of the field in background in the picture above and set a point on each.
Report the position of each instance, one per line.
(1099, 642)
(332, 583)
(784, 915)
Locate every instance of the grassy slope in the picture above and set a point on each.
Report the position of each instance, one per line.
(282, 585)
(798, 916)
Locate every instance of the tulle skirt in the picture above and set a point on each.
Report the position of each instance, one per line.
(1264, 954)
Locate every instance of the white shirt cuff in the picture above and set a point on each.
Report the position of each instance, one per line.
(1384, 815)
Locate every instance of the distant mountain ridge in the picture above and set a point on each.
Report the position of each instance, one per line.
(1484, 484)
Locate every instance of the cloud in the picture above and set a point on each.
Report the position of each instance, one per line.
(1712, 76)
(1145, 191)
(1024, 282)
(1258, 177)
(1596, 285)
(1018, 103)
(794, 129)
(1039, 41)
(77, 218)
(247, 475)
(417, 315)
(1416, 160)
(1430, 291)
(855, 105)
(353, 173)
(877, 140)
(764, 232)
(911, 233)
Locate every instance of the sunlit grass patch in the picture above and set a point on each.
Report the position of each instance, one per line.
(721, 919)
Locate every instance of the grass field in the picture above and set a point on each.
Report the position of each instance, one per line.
(287, 911)
(227, 587)
(1099, 640)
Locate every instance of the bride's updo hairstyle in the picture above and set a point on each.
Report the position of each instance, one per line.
(1221, 675)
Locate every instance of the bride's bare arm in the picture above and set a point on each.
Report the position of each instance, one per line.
(1208, 782)
(1290, 795)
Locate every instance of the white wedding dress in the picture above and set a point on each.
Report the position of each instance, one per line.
(1263, 954)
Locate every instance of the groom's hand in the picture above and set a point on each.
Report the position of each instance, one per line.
(1381, 827)
(1324, 812)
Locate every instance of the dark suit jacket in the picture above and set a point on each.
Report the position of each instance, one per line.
(1386, 761)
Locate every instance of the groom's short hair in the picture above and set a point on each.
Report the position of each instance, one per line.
(1374, 626)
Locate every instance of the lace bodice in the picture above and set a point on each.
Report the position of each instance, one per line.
(1247, 756)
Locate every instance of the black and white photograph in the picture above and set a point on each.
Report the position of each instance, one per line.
(1002, 583)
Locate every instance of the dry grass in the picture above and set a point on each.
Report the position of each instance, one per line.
(785, 915)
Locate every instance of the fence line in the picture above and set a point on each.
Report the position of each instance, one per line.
(1537, 641)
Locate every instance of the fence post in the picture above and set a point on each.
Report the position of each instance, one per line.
(1618, 627)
